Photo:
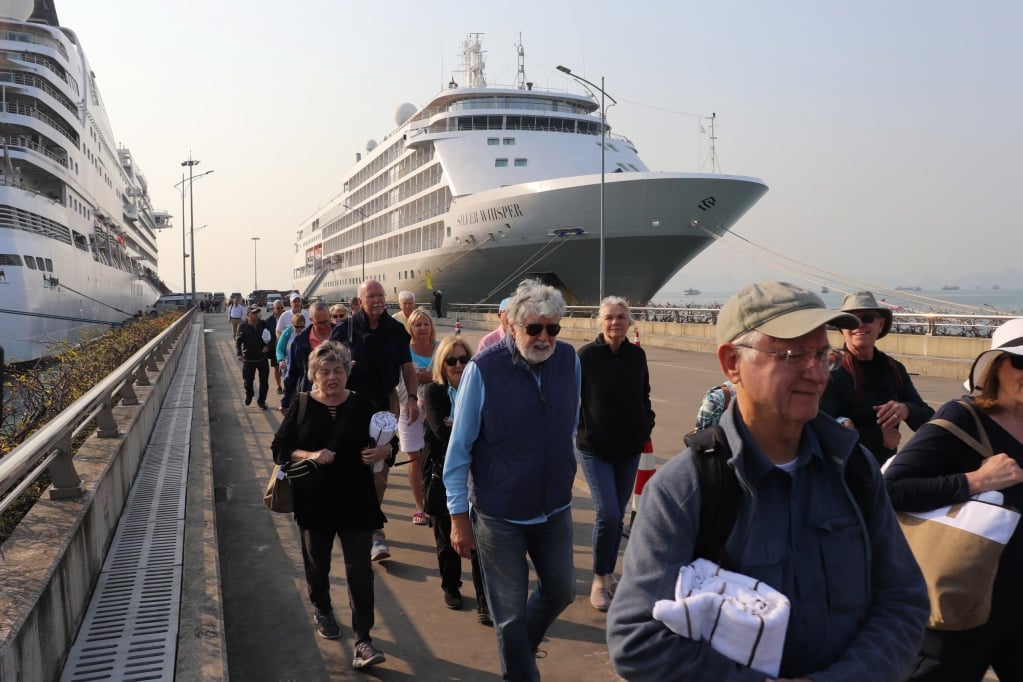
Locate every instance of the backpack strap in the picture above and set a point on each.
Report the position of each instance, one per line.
(719, 493)
(860, 481)
(303, 400)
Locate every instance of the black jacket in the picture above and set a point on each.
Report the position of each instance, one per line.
(377, 354)
(615, 415)
(250, 342)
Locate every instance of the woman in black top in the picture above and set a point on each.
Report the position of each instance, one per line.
(449, 362)
(615, 421)
(872, 392)
(936, 469)
(325, 434)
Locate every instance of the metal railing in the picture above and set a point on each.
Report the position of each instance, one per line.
(50, 448)
(977, 325)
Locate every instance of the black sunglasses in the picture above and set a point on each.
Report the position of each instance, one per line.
(1015, 360)
(867, 318)
(460, 360)
(535, 329)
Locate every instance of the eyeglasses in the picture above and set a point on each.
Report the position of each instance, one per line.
(867, 318)
(1015, 360)
(337, 317)
(299, 326)
(320, 322)
(460, 360)
(829, 359)
(535, 329)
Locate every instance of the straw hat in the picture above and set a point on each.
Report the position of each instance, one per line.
(864, 300)
(1008, 338)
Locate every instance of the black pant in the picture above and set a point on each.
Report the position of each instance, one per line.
(450, 563)
(249, 370)
(317, 546)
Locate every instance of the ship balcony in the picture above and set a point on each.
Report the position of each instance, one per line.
(24, 143)
(21, 109)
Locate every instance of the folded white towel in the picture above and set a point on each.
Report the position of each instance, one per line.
(740, 617)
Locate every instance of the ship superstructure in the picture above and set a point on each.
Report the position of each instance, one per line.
(78, 244)
(485, 186)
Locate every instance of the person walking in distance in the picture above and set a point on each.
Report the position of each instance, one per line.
(235, 315)
(253, 343)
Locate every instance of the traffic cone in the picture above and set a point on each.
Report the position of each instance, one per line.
(635, 340)
(647, 467)
(458, 327)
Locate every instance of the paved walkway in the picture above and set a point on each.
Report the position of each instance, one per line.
(270, 635)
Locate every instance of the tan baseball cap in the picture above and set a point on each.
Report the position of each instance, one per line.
(778, 309)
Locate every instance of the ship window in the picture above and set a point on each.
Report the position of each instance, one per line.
(501, 163)
(49, 265)
(10, 259)
(30, 261)
(509, 140)
(513, 122)
(491, 141)
(449, 230)
(520, 162)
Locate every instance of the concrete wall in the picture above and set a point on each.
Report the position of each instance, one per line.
(55, 554)
(949, 357)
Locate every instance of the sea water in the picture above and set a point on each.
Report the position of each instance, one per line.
(1007, 301)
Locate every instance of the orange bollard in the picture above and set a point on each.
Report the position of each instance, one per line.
(458, 327)
(646, 470)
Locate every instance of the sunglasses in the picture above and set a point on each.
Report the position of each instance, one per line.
(337, 317)
(1016, 361)
(535, 329)
(299, 326)
(460, 360)
(867, 318)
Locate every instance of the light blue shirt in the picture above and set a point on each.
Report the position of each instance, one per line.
(466, 429)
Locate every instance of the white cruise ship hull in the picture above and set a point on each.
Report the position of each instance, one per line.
(551, 229)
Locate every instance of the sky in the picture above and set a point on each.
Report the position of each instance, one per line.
(889, 133)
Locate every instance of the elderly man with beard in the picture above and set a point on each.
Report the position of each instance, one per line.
(509, 471)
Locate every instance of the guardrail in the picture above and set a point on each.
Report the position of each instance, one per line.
(49, 449)
(913, 323)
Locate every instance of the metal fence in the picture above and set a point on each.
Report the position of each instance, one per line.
(50, 449)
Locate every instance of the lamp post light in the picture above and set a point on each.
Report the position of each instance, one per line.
(255, 271)
(603, 126)
(191, 218)
(362, 220)
(184, 252)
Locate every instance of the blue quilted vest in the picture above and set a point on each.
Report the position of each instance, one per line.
(523, 462)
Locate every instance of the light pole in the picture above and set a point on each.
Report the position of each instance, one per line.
(362, 220)
(255, 271)
(603, 126)
(191, 219)
(184, 251)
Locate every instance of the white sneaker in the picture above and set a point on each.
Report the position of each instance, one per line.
(380, 550)
(598, 594)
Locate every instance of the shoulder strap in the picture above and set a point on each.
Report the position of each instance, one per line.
(983, 446)
(303, 398)
(860, 482)
(719, 493)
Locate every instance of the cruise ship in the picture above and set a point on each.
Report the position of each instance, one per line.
(77, 229)
(485, 186)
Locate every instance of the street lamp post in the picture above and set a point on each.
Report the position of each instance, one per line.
(362, 220)
(191, 219)
(603, 126)
(255, 271)
(184, 252)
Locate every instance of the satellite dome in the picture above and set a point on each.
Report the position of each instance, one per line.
(403, 113)
(18, 10)
(371, 145)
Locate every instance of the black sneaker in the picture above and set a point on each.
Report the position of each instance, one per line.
(484, 618)
(452, 599)
(326, 624)
(366, 655)
(248, 400)
(280, 391)
(261, 405)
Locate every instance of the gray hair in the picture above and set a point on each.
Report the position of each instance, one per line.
(329, 351)
(406, 296)
(533, 298)
(318, 305)
(614, 300)
(747, 339)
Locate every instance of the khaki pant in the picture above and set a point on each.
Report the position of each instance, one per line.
(235, 323)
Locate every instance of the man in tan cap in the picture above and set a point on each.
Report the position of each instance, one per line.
(871, 391)
(807, 509)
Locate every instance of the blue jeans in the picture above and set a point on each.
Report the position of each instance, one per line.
(611, 485)
(520, 623)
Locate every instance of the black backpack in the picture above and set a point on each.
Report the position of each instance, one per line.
(719, 491)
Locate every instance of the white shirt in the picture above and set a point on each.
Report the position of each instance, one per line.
(284, 321)
(236, 311)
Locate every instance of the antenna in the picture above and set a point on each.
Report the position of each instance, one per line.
(713, 156)
(520, 79)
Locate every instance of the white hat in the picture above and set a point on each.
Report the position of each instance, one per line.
(294, 296)
(1008, 338)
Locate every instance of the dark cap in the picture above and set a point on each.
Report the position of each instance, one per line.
(254, 309)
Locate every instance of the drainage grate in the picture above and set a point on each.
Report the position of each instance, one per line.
(130, 629)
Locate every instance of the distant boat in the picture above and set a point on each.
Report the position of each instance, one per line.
(950, 287)
(692, 292)
(995, 286)
(825, 290)
(908, 289)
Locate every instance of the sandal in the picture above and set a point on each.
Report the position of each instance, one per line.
(420, 519)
